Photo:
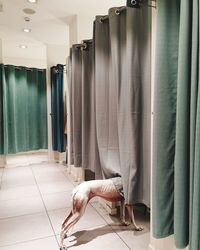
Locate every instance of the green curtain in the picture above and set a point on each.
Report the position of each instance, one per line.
(23, 109)
(1, 109)
(176, 157)
(57, 108)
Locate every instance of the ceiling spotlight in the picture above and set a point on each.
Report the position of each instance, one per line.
(27, 30)
(22, 46)
(32, 1)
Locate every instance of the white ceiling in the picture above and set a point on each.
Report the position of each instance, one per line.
(50, 22)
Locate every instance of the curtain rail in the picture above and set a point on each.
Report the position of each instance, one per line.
(119, 10)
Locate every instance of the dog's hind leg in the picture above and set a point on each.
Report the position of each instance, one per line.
(132, 217)
(123, 214)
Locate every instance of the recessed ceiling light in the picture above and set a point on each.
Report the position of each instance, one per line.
(22, 46)
(27, 30)
(32, 1)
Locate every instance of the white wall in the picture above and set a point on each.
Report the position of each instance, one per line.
(1, 56)
(85, 27)
(33, 56)
(2, 158)
(56, 54)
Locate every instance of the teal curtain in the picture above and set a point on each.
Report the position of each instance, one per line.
(23, 109)
(57, 108)
(1, 110)
(176, 157)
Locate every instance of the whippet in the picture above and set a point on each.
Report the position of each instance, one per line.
(83, 193)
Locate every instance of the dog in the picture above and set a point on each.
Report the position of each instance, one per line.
(87, 190)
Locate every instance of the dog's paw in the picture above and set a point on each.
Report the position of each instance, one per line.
(125, 223)
(139, 228)
(63, 248)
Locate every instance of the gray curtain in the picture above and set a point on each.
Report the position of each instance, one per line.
(176, 157)
(69, 83)
(77, 105)
(122, 78)
(106, 102)
(90, 155)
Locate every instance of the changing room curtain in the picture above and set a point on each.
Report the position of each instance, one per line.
(23, 109)
(76, 99)
(1, 110)
(57, 108)
(122, 78)
(176, 159)
(69, 83)
(90, 156)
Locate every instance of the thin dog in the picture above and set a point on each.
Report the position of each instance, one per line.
(83, 193)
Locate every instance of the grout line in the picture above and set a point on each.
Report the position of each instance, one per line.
(111, 227)
(22, 215)
(45, 208)
(22, 242)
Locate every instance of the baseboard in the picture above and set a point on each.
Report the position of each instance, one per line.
(2, 161)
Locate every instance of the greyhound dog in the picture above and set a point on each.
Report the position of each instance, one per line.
(83, 193)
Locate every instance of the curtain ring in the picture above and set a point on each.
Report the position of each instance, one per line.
(101, 20)
(117, 12)
(84, 46)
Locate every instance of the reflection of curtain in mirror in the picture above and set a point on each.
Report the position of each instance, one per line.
(57, 108)
(24, 113)
(123, 100)
(176, 159)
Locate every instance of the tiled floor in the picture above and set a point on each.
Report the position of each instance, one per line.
(35, 199)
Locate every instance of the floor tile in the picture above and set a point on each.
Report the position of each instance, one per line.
(43, 177)
(24, 228)
(17, 172)
(57, 200)
(55, 187)
(101, 237)
(16, 181)
(21, 206)
(45, 168)
(90, 219)
(49, 243)
(135, 240)
(18, 192)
